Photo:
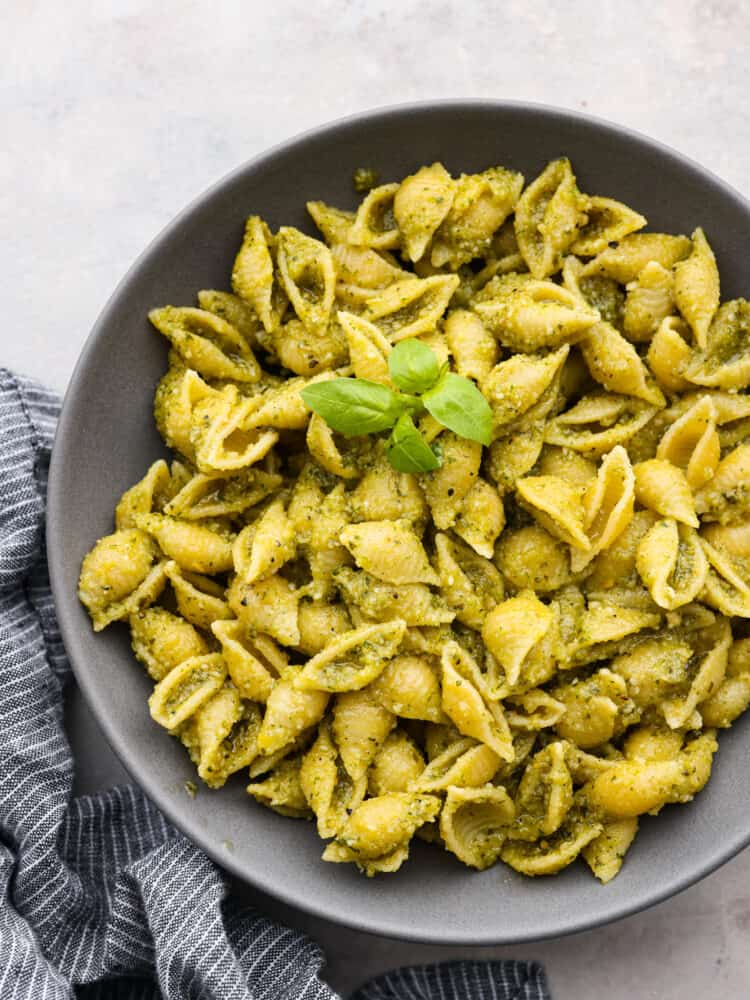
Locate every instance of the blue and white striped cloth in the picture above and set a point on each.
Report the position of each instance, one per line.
(100, 898)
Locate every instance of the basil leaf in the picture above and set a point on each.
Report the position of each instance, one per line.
(354, 406)
(413, 366)
(460, 406)
(407, 450)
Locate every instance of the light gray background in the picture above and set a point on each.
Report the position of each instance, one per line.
(116, 113)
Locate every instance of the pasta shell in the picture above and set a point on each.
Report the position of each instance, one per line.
(530, 558)
(481, 518)
(605, 854)
(727, 588)
(481, 203)
(207, 496)
(446, 489)
(473, 347)
(600, 629)
(224, 436)
(672, 564)
(471, 584)
(725, 361)
(177, 393)
(669, 355)
(269, 605)
(282, 790)
(649, 302)
(530, 711)
(529, 315)
(568, 465)
(409, 686)
(464, 705)
(146, 496)
(615, 364)
(474, 823)
(390, 862)
(608, 504)
(692, 443)
(307, 272)
(696, 287)
(289, 712)
(522, 386)
(411, 307)
(360, 726)
(318, 622)
(254, 662)
(597, 709)
(734, 539)
(557, 506)
(726, 497)
(600, 293)
(511, 457)
(706, 680)
(162, 640)
(352, 660)
(513, 630)
(185, 688)
(329, 789)
(414, 603)
(397, 765)
(334, 223)
(464, 763)
(390, 551)
(326, 555)
(120, 576)
(599, 422)
(359, 270)
(663, 488)
(305, 502)
(551, 855)
(733, 696)
(549, 216)
(420, 204)
(368, 348)
(227, 732)
(238, 313)
(262, 548)
(631, 788)
(282, 407)
(375, 223)
(608, 222)
(545, 794)
(207, 343)
(266, 762)
(307, 352)
(192, 546)
(384, 493)
(625, 261)
(380, 824)
(199, 599)
(252, 274)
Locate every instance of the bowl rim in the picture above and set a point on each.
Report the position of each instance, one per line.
(367, 922)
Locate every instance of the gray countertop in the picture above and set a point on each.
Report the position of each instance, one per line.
(116, 114)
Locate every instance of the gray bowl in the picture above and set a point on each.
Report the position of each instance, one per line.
(106, 439)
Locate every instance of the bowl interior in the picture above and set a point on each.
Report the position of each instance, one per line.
(106, 440)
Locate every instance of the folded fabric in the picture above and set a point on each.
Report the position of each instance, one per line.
(99, 896)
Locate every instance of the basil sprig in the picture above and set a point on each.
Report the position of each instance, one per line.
(356, 406)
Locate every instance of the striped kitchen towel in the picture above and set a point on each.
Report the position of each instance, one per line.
(100, 898)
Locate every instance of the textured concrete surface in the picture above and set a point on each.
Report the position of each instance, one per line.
(117, 113)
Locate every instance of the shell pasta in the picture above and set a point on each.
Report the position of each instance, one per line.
(510, 642)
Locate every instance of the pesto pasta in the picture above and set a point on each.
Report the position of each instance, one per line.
(454, 540)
